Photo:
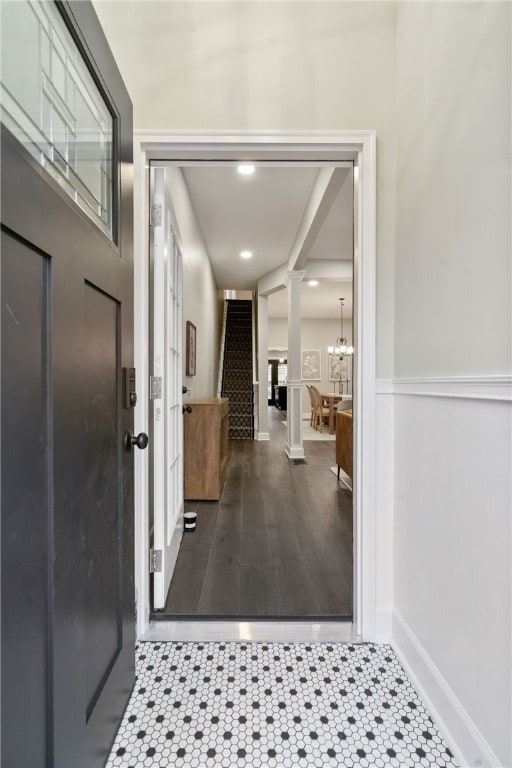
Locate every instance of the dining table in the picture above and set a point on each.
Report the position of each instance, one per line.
(331, 399)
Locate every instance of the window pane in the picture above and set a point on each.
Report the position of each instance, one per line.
(52, 105)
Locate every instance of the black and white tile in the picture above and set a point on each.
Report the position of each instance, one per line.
(282, 705)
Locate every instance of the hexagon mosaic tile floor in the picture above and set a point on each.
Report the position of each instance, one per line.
(274, 704)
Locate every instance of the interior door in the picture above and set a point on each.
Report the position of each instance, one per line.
(67, 334)
(167, 365)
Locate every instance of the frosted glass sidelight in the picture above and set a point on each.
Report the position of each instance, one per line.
(52, 105)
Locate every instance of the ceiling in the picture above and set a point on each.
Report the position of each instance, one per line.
(263, 213)
(320, 303)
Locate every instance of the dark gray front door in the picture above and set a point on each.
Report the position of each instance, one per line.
(67, 479)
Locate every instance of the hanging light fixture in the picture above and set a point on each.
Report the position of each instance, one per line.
(341, 347)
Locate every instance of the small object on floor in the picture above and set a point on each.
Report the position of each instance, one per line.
(189, 521)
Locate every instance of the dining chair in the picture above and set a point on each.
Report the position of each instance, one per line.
(321, 412)
(308, 387)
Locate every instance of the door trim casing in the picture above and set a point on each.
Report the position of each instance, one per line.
(360, 147)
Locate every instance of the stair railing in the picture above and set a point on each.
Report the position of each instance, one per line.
(221, 351)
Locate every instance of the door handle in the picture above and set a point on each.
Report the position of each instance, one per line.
(131, 441)
(187, 409)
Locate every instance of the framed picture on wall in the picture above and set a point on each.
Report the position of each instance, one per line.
(339, 370)
(190, 367)
(311, 365)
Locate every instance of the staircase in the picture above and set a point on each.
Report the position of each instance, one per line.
(237, 369)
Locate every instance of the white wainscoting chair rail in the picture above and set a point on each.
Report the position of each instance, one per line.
(468, 387)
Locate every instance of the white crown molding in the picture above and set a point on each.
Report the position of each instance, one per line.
(468, 387)
(261, 136)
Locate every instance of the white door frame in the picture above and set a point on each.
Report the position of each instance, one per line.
(166, 417)
(359, 146)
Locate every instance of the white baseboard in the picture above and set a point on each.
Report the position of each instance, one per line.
(262, 436)
(456, 726)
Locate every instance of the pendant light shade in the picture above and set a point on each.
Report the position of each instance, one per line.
(341, 347)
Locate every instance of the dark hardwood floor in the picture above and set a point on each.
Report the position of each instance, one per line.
(278, 543)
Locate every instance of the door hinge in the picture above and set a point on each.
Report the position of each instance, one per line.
(155, 215)
(155, 387)
(155, 560)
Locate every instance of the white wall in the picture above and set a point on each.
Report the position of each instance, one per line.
(200, 295)
(453, 190)
(452, 543)
(315, 334)
(270, 66)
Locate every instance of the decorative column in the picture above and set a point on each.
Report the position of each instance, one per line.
(294, 446)
(263, 433)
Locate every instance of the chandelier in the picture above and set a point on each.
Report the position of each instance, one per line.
(342, 347)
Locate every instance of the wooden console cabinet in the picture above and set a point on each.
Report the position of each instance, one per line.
(344, 442)
(206, 447)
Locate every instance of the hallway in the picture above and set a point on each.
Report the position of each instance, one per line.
(277, 705)
(278, 543)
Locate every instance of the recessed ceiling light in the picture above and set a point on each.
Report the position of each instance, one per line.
(246, 254)
(246, 169)
(312, 283)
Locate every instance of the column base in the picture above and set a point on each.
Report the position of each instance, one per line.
(294, 451)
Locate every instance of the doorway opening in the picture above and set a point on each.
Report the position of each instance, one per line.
(263, 537)
(276, 381)
(326, 155)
